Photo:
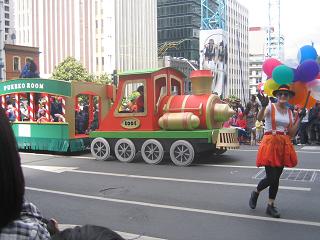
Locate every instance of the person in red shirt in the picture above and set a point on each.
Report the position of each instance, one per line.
(241, 125)
(140, 100)
(241, 122)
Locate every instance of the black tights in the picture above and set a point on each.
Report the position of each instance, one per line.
(271, 180)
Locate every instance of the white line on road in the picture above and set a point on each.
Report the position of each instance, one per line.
(254, 167)
(194, 210)
(57, 169)
(188, 180)
(256, 150)
(125, 235)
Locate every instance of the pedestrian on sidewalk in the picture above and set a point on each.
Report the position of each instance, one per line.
(276, 150)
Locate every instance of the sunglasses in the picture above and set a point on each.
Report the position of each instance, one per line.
(283, 94)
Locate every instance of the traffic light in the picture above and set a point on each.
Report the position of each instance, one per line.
(115, 77)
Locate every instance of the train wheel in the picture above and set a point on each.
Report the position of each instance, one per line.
(182, 153)
(152, 151)
(124, 150)
(100, 148)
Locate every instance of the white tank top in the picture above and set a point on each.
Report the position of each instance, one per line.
(282, 120)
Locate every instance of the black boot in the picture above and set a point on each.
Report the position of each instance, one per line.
(272, 211)
(253, 199)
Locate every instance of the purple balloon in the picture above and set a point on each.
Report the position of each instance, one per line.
(296, 75)
(308, 71)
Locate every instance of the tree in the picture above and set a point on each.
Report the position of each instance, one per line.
(71, 69)
(104, 78)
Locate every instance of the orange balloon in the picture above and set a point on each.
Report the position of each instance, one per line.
(311, 102)
(301, 93)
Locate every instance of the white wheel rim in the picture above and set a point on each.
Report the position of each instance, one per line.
(124, 150)
(152, 151)
(182, 153)
(100, 149)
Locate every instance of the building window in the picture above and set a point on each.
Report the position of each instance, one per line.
(16, 63)
(7, 23)
(102, 61)
(6, 15)
(6, 8)
(101, 25)
(6, 1)
(28, 58)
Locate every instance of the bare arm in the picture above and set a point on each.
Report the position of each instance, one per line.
(261, 114)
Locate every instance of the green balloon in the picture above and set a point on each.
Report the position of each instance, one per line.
(283, 74)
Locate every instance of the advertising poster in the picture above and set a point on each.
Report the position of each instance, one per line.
(214, 56)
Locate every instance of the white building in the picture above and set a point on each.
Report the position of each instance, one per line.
(238, 49)
(261, 48)
(6, 30)
(103, 35)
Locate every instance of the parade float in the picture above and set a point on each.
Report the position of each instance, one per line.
(183, 126)
(30, 102)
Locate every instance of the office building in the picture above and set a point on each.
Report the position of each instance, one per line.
(102, 35)
(180, 20)
(6, 31)
(261, 48)
(238, 50)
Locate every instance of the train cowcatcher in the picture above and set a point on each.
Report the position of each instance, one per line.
(170, 122)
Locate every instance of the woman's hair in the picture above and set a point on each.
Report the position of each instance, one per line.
(11, 175)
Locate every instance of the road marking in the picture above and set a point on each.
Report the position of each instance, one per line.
(311, 148)
(57, 169)
(40, 154)
(125, 235)
(251, 167)
(54, 169)
(256, 150)
(194, 210)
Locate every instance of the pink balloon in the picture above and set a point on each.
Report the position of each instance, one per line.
(260, 87)
(314, 87)
(269, 64)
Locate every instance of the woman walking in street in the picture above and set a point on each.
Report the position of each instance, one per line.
(276, 150)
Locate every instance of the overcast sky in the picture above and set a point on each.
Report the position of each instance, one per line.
(299, 24)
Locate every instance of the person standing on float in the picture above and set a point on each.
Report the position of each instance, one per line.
(276, 150)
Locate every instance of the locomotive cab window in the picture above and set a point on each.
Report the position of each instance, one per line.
(160, 90)
(176, 86)
(133, 99)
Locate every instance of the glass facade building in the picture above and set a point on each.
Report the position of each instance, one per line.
(180, 20)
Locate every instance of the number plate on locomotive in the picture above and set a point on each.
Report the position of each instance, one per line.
(130, 123)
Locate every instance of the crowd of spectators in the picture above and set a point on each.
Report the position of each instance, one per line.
(250, 131)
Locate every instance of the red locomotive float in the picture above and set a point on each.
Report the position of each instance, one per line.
(162, 119)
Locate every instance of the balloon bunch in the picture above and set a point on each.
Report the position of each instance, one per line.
(301, 80)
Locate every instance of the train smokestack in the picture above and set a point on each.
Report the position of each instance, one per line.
(201, 81)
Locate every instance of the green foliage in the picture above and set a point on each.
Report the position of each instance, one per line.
(83, 99)
(104, 78)
(233, 98)
(71, 69)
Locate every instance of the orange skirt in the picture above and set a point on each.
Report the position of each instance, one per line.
(276, 151)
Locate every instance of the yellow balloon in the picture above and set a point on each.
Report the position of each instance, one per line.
(269, 86)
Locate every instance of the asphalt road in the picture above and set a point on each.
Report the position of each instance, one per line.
(208, 200)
